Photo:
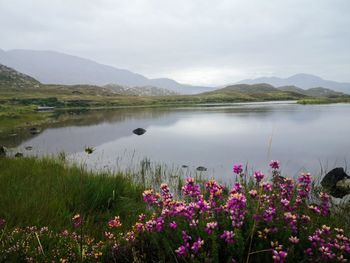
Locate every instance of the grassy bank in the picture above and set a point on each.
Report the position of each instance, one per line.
(324, 100)
(47, 192)
(254, 220)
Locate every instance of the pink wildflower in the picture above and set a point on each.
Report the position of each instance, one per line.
(114, 223)
(258, 176)
(228, 236)
(238, 168)
(77, 221)
(197, 245)
(274, 164)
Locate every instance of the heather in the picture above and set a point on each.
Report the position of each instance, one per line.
(255, 218)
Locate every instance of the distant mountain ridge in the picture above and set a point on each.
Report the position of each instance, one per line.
(50, 67)
(304, 81)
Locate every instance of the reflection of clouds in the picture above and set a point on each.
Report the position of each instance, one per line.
(216, 139)
(203, 126)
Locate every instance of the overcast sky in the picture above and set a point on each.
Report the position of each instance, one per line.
(203, 42)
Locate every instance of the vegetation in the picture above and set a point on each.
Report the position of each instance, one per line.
(93, 218)
(344, 99)
(48, 192)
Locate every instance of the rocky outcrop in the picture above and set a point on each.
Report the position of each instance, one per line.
(337, 182)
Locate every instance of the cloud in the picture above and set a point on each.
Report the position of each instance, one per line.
(196, 41)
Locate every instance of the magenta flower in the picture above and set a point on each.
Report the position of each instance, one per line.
(275, 164)
(228, 236)
(279, 256)
(77, 221)
(150, 197)
(191, 189)
(181, 251)
(210, 227)
(258, 176)
(173, 225)
(197, 245)
(238, 168)
(114, 223)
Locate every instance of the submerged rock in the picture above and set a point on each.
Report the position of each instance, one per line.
(3, 151)
(34, 130)
(337, 182)
(18, 154)
(139, 131)
(201, 168)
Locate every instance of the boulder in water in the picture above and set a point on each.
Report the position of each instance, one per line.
(337, 182)
(201, 168)
(34, 131)
(3, 151)
(139, 131)
(18, 154)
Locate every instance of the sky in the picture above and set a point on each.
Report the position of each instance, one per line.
(200, 42)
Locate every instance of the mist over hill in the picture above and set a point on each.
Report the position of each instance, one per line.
(50, 67)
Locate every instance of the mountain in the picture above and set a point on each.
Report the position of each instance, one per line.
(10, 78)
(260, 91)
(304, 81)
(313, 92)
(50, 67)
(139, 91)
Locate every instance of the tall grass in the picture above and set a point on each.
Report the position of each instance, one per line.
(47, 192)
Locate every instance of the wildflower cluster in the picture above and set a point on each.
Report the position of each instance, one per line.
(255, 220)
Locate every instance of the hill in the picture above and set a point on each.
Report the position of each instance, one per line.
(52, 67)
(260, 91)
(317, 92)
(304, 81)
(10, 78)
(139, 91)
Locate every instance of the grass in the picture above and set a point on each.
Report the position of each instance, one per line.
(345, 99)
(47, 192)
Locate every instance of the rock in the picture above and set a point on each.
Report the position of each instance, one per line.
(337, 182)
(29, 148)
(344, 185)
(139, 131)
(3, 151)
(34, 130)
(18, 154)
(201, 168)
(184, 166)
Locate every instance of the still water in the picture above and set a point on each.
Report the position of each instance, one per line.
(303, 138)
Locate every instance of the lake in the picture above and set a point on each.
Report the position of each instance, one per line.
(302, 137)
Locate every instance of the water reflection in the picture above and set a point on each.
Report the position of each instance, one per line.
(301, 137)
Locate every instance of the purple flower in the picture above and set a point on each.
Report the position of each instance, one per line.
(258, 176)
(181, 251)
(228, 236)
(191, 189)
(237, 168)
(173, 225)
(197, 245)
(279, 256)
(275, 164)
(77, 221)
(211, 227)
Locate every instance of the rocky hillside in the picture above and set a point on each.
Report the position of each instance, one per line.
(139, 91)
(10, 78)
